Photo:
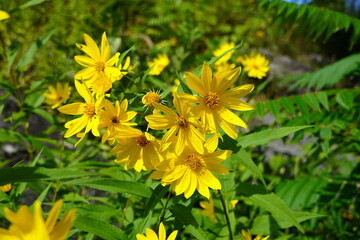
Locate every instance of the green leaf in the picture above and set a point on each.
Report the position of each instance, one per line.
(31, 3)
(312, 101)
(29, 55)
(267, 224)
(288, 104)
(246, 160)
(276, 207)
(99, 228)
(263, 137)
(183, 214)
(183, 85)
(323, 99)
(274, 107)
(33, 174)
(112, 185)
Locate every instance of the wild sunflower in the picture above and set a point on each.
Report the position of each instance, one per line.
(246, 235)
(124, 69)
(89, 110)
(116, 118)
(159, 64)
(30, 226)
(192, 170)
(255, 65)
(184, 129)
(97, 61)
(151, 235)
(215, 99)
(5, 188)
(137, 150)
(57, 95)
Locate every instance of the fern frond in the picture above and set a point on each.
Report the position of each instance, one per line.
(329, 75)
(315, 21)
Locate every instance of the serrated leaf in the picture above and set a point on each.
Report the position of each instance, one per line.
(245, 159)
(183, 214)
(112, 185)
(33, 174)
(268, 135)
(29, 55)
(323, 99)
(277, 207)
(99, 228)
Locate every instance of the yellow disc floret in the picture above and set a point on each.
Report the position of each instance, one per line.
(150, 97)
(212, 100)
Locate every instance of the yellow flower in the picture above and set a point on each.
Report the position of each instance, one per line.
(116, 119)
(183, 129)
(209, 209)
(4, 15)
(256, 65)
(31, 226)
(247, 236)
(100, 84)
(57, 95)
(124, 69)
(192, 170)
(159, 64)
(89, 110)
(5, 188)
(223, 48)
(233, 203)
(139, 151)
(151, 97)
(216, 99)
(224, 67)
(151, 235)
(175, 88)
(98, 60)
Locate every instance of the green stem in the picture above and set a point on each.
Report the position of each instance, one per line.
(164, 209)
(226, 215)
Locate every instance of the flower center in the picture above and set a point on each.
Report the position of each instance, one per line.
(182, 122)
(211, 100)
(89, 109)
(150, 98)
(142, 141)
(115, 120)
(99, 66)
(194, 162)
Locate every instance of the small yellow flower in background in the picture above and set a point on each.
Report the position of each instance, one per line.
(183, 128)
(215, 99)
(223, 48)
(233, 203)
(98, 60)
(151, 235)
(5, 188)
(255, 65)
(57, 95)
(224, 67)
(89, 110)
(246, 235)
(192, 170)
(159, 64)
(175, 88)
(31, 226)
(4, 15)
(137, 150)
(151, 97)
(124, 69)
(116, 118)
(209, 209)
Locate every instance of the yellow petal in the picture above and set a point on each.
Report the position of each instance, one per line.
(95, 52)
(195, 83)
(162, 232)
(4, 15)
(83, 90)
(105, 48)
(210, 180)
(85, 61)
(165, 109)
(239, 91)
(113, 60)
(85, 74)
(72, 109)
(76, 126)
(53, 215)
(236, 104)
(206, 77)
(230, 117)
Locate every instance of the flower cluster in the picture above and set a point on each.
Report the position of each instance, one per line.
(186, 156)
